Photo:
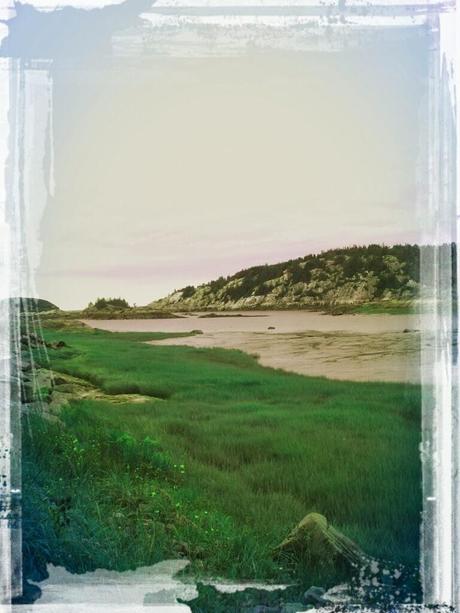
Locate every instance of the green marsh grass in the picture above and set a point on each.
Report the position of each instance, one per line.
(222, 462)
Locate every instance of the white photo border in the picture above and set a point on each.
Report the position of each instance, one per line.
(25, 120)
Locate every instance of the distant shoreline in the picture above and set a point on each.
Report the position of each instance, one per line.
(367, 308)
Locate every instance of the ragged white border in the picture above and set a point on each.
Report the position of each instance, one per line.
(20, 132)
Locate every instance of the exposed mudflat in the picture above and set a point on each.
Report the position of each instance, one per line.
(349, 347)
(383, 356)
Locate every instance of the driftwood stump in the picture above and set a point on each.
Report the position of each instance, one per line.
(315, 543)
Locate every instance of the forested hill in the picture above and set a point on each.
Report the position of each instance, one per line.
(347, 276)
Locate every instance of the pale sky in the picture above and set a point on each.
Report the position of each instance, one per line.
(188, 169)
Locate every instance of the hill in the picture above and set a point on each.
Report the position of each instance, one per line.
(347, 276)
(36, 305)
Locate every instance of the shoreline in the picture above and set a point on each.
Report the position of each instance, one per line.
(385, 357)
(354, 348)
(172, 311)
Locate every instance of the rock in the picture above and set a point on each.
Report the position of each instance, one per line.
(58, 389)
(59, 380)
(72, 388)
(31, 340)
(43, 378)
(315, 596)
(319, 545)
(58, 345)
(27, 392)
(271, 328)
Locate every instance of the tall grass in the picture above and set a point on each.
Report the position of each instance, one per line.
(220, 464)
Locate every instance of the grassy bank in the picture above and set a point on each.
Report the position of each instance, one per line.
(222, 461)
(59, 316)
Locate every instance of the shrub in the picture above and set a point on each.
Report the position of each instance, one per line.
(104, 303)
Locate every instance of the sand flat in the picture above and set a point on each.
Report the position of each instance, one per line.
(383, 356)
(349, 347)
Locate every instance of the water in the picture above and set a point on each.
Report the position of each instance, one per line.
(261, 321)
(349, 347)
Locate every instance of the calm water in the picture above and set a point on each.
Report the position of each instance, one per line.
(281, 321)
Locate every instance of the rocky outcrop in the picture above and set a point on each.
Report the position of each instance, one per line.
(51, 391)
(337, 277)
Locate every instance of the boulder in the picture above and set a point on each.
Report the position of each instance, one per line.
(319, 545)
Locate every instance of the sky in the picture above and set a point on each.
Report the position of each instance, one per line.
(184, 169)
